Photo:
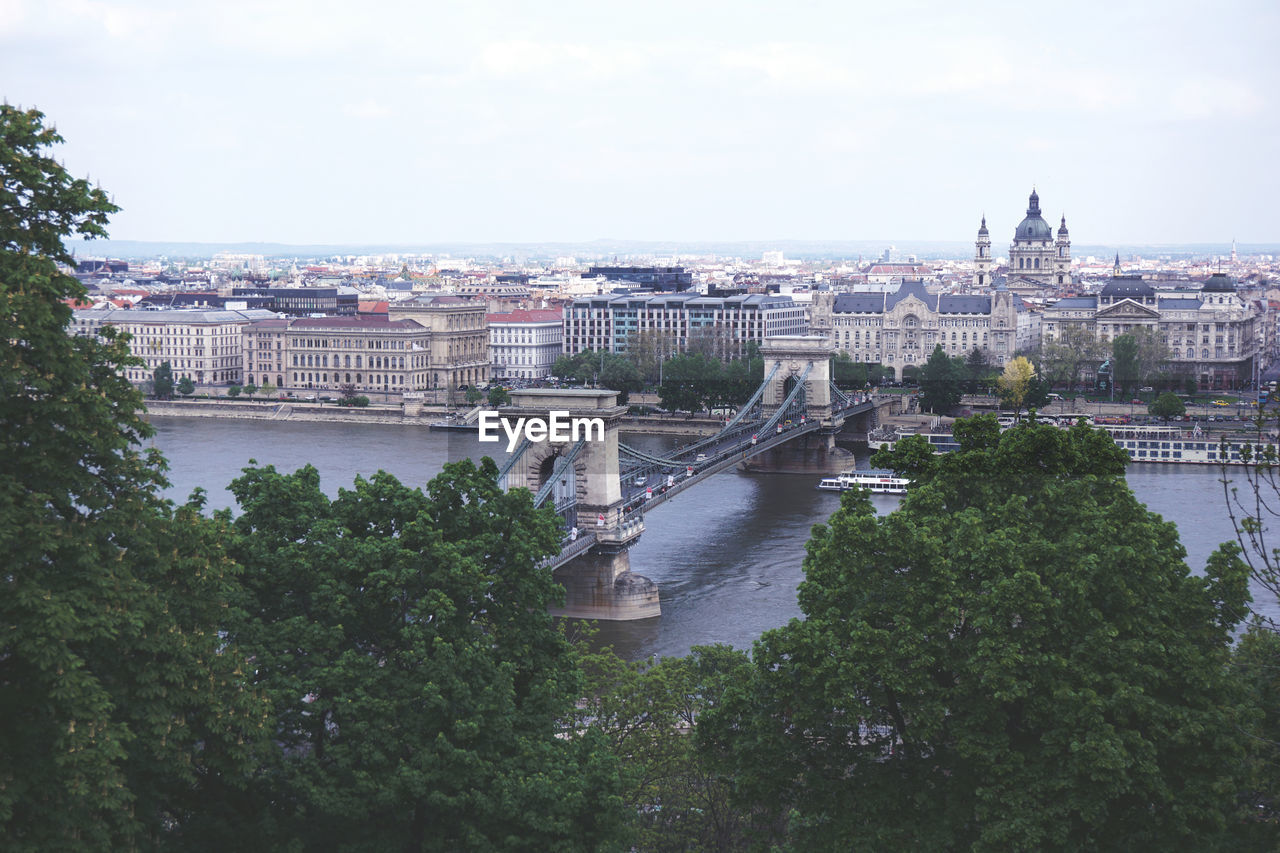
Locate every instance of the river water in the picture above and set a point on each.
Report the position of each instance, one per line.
(726, 555)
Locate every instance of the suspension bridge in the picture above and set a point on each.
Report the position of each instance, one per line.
(602, 487)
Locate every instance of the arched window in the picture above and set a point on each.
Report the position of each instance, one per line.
(1037, 263)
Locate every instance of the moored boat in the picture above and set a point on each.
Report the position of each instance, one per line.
(876, 481)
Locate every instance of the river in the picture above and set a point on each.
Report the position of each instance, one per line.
(726, 555)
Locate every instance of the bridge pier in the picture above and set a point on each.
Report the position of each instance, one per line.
(598, 583)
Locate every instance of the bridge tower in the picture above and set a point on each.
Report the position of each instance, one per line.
(598, 583)
(804, 358)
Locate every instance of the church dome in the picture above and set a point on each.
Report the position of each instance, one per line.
(1033, 227)
(1218, 283)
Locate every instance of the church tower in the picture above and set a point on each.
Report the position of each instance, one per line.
(1062, 260)
(982, 257)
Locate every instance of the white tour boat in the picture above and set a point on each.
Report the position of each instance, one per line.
(876, 481)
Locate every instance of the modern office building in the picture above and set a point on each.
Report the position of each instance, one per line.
(673, 279)
(727, 324)
(525, 344)
(305, 301)
(202, 345)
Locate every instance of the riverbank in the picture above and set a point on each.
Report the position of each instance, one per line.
(272, 410)
(292, 410)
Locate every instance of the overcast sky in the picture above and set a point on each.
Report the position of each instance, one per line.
(307, 121)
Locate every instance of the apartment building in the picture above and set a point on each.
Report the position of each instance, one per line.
(525, 344)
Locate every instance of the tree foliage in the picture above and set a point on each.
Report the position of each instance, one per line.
(186, 387)
(1126, 364)
(1167, 405)
(416, 677)
(1062, 359)
(162, 384)
(942, 382)
(1016, 659)
(677, 794)
(120, 704)
(1015, 383)
(498, 396)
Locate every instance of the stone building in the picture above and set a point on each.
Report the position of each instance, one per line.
(1214, 335)
(901, 329)
(373, 354)
(614, 323)
(459, 340)
(204, 346)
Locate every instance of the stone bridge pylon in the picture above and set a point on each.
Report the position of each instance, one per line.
(581, 462)
(791, 359)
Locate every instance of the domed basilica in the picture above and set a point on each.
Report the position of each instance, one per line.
(1036, 258)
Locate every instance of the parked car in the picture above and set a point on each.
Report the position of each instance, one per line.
(1145, 389)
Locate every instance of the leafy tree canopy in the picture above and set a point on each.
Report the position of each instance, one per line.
(120, 703)
(162, 384)
(1167, 405)
(417, 680)
(1017, 658)
(942, 382)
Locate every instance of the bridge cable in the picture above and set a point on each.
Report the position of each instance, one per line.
(511, 463)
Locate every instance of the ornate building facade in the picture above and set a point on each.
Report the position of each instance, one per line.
(1214, 336)
(901, 329)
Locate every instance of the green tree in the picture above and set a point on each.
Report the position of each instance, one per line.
(250, 389)
(233, 391)
(474, 395)
(1125, 362)
(1167, 405)
(941, 382)
(977, 368)
(621, 374)
(186, 387)
(1016, 659)
(120, 703)
(690, 382)
(1016, 382)
(847, 373)
(676, 793)
(162, 381)
(420, 688)
(268, 390)
(498, 396)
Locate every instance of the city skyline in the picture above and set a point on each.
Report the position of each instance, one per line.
(316, 124)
